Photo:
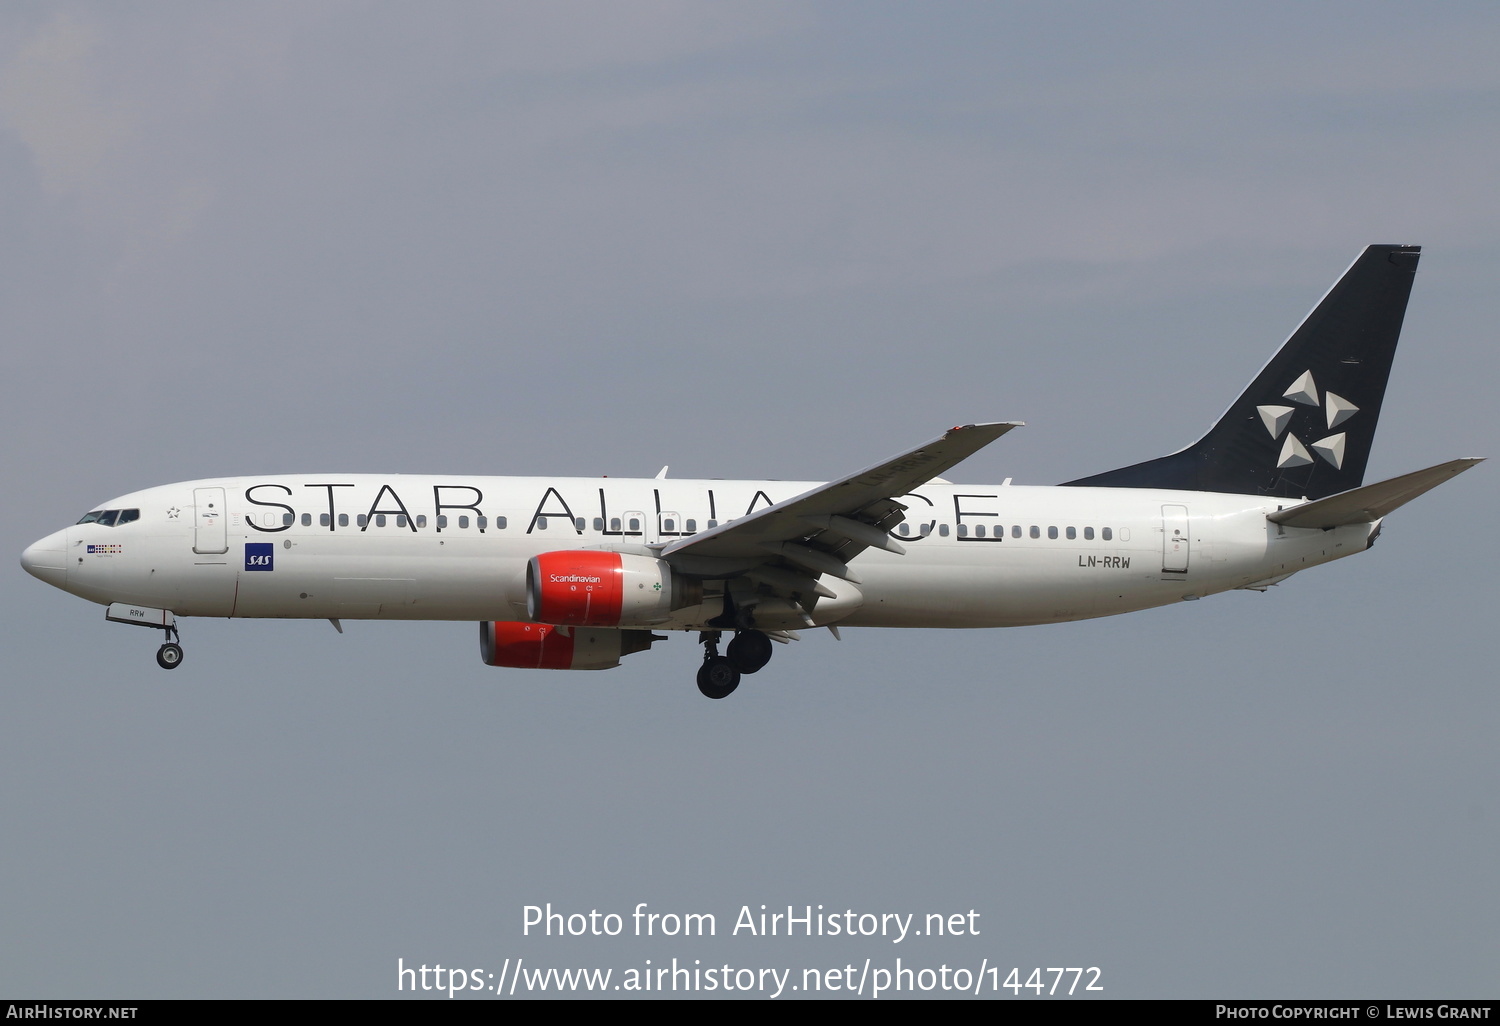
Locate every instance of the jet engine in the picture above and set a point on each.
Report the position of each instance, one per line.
(542, 646)
(597, 588)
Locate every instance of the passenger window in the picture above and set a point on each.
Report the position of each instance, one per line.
(579, 524)
(712, 524)
(904, 530)
(635, 526)
(691, 527)
(127, 515)
(979, 530)
(362, 521)
(287, 519)
(1015, 531)
(925, 530)
(598, 523)
(669, 525)
(323, 520)
(463, 522)
(963, 530)
(1072, 533)
(379, 519)
(614, 524)
(1052, 533)
(343, 520)
(500, 523)
(1036, 532)
(307, 520)
(442, 521)
(400, 519)
(1088, 534)
(421, 519)
(107, 518)
(541, 523)
(481, 522)
(1106, 534)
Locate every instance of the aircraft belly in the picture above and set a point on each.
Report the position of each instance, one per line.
(206, 590)
(1025, 589)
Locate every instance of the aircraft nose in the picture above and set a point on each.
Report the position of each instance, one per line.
(46, 560)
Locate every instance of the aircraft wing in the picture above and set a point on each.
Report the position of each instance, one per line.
(1370, 503)
(820, 530)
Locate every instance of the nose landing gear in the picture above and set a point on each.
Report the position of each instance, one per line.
(169, 656)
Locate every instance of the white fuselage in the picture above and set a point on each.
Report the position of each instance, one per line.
(412, 547)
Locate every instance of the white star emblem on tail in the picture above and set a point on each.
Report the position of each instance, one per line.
(1336, 410)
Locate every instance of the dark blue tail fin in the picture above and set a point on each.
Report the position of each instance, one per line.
(1304, 427)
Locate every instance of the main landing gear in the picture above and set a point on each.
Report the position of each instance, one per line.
(749, 651)
(169, 656)
(719, 675)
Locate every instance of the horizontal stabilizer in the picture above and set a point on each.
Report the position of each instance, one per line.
(1370, 503)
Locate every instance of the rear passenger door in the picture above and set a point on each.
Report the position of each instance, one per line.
(1174, 540)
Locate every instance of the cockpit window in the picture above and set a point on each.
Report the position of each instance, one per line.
(111, 517)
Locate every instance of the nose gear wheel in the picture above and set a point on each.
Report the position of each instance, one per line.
(169, 656)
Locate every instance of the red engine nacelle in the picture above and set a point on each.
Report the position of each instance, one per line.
(541, 646)
(594, 588)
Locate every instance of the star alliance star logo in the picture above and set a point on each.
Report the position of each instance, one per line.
(172, 513)
(1294, 453)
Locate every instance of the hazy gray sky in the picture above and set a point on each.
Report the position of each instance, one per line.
(746, 240)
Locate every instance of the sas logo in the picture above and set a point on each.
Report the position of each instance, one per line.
(105, 550)
(260, 556)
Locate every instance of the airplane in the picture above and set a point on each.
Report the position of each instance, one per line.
(577, 573)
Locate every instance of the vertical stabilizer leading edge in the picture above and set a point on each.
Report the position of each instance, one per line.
(1305, 425)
